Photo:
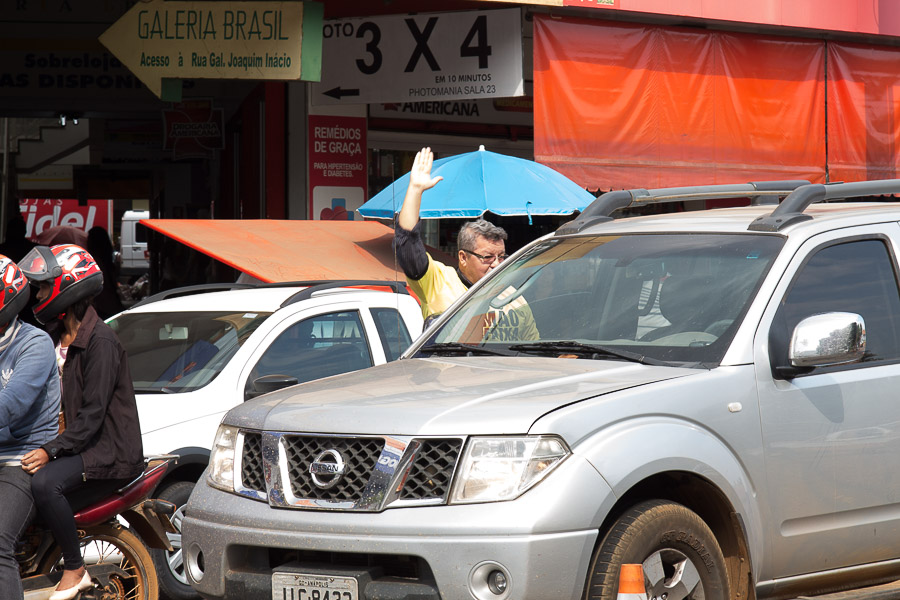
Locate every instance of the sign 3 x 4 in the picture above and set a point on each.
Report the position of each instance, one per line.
(424, 57)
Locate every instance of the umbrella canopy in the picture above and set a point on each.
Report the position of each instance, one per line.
(481, 181)
(62, 234)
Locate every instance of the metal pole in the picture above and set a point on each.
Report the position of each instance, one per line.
(5, 179)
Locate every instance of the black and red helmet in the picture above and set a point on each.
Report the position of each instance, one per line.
(15, 290)
(72, 273)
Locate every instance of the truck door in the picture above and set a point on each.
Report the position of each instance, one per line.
(831, 436)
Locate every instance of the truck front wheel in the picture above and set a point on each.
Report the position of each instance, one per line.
(679, 553)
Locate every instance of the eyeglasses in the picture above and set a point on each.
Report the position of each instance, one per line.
(489, 259)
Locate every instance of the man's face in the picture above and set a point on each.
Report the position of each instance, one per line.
(473, 267)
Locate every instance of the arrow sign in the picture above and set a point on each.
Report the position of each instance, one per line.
(159, 40)
(339, 93)
(424, 57)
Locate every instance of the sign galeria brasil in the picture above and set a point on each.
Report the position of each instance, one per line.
(215, 40)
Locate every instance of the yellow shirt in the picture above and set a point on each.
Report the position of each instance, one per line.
(438, 288)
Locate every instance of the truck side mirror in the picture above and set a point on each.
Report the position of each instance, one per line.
(269, 383)
(828, 339)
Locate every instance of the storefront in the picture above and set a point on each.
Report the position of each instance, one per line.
(629, 93)
(612, 93)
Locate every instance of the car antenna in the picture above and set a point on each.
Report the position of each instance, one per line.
(394, 250)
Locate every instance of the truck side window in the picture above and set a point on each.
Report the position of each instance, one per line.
(392, 331)
(317, 347)
(140, 233)
(856, 277)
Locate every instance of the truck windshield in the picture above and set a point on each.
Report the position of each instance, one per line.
(672, 298)
(172, 352)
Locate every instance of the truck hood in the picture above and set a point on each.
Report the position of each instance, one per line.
(443, 396)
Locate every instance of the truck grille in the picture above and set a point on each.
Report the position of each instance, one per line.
(253, 476)
(360, 456)
(374, 472)
(432, 470)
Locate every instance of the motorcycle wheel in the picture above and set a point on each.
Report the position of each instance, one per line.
(135, 578)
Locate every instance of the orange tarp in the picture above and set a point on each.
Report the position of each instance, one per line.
(622, 105)
(274, 250)
(863, 112)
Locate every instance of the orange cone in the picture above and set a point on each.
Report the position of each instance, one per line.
(631, 583)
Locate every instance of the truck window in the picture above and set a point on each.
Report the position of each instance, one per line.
(317, 347)
(856, 277)
(140, 233)
(392, 331)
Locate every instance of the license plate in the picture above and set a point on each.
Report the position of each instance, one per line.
(304, 586)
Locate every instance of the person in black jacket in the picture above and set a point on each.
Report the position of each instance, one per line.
(107, 302)
(100, 448)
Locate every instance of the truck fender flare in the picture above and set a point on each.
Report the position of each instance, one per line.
(622, 456)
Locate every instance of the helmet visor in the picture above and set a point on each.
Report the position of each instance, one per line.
(40, 265)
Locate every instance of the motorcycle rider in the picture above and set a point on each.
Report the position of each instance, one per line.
(29, 409)
(100, 449)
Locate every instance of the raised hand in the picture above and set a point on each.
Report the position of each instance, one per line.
(420, 179)
(420, 174)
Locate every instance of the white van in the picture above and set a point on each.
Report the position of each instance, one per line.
(134, 256)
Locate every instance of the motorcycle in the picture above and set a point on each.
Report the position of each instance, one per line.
(116, 556)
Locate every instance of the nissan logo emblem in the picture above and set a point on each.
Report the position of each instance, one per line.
(327, 469)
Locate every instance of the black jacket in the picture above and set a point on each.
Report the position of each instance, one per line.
(98, 401)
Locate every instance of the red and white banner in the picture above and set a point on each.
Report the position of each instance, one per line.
(43, 213)
(337, 166)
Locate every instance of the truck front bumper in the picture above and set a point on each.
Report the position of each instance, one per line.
(542, 542)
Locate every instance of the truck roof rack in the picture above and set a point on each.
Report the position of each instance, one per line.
(599, 210)
(791, 210)
(311, 287)
(190, 290)
(397, 287)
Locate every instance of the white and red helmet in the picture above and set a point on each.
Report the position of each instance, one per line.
(72, 273)
(15, 290)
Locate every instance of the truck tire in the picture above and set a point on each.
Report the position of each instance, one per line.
(170, 565)
(680, 555)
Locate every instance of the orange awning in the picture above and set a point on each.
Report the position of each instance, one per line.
(631, 105)
(276, 250)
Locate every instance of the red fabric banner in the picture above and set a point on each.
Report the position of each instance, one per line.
(621, 105)
(863, 112)
(879, 17)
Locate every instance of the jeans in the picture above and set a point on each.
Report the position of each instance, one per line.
(59, 489)
(15, 515)
(49, 488)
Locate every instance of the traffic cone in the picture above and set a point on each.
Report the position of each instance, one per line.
(631, 583)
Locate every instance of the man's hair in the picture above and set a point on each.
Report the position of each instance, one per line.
(471, 231)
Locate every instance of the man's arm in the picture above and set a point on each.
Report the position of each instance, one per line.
(420, 179)
(408, 244)
(34, 362)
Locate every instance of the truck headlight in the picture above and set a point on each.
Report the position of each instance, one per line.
(502, 468)
(221, 458)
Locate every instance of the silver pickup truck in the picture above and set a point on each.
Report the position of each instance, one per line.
(713, 394)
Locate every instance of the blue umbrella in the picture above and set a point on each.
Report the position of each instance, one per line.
(476, 182)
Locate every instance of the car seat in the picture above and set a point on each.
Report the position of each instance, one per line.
(686, 303)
